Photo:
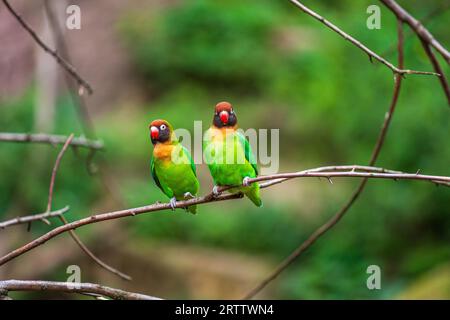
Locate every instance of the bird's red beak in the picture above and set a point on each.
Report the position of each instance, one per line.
(154, 133)
(224, 117)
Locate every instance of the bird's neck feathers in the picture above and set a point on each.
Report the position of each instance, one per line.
(224, 130)
(163, 150)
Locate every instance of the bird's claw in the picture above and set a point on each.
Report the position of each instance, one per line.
(215, 191)
(173, 203)
(245, 181)
(188, 196)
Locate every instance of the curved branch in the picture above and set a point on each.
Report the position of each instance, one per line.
(427, 40)
(34, 217)
(61, 61)
(357, 43)
(418, 27)
(338, 215)
(64, 221)
(70, 287)
(437, 67)
(211, 198)
(50, 139)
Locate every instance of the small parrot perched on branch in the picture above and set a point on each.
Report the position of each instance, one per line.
(172, 167)
(229, 156)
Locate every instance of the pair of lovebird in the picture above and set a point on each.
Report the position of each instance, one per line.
(174, 171)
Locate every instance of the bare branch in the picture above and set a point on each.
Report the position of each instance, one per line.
(211, 198)
(50, 139)
(34, 217)
(338, 216)
(427, 40)
(61, 61)
(55, 170)
(71, 287)
(80, 104)
(78, 100)
(357, 43)
(417, 27)
(437, 67)
(64, 221)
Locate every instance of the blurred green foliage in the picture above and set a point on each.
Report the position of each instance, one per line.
(281, 69)
(226, 47)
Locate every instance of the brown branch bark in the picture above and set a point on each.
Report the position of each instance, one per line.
(7, 286)
(64, 221)
(55, 171)
(50, 139)
(427, 40)
(61, 61)
(437, 67)
(352, 172)
(357, 43)
(338, 216)
(61, 46)
(81, 106)
(33, 217)
(417, 27)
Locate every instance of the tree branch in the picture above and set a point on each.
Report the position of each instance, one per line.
(61, 61)
(55, 170)
(78, 100)
(427, 40)
(357, 43)
(64, 221)
(437, 67)
(70, 287)
(418, 27)
(338, 216)
(50, 139)
(81, 106)
(375, 173)
(34, 217)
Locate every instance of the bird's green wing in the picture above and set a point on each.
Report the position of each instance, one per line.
(154, 176)
(248, 151)
(186, 152)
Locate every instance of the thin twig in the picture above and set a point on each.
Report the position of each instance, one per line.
(61, 61)
(50, 139)
(81, 106)
(34, 217)
(71, 287)
(338, 216)
(437, 67)
(358, 43)
(55, 171)
(61, 46)
(417, 27)
(207, 199)
(64, 221)
(432, 14)
(427, 40)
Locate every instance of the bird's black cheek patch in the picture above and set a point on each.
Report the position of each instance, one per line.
(217, 122)
(164, 136)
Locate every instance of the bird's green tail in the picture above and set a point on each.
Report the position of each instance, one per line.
(253, 194)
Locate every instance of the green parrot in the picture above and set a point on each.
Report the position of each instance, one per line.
(229, 156)
(172, 167)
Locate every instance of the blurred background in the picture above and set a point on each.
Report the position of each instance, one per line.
(281, 69)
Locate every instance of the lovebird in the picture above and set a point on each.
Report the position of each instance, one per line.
(172, 167)
(228, 154)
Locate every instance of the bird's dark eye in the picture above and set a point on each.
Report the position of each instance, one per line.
(163, 127)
